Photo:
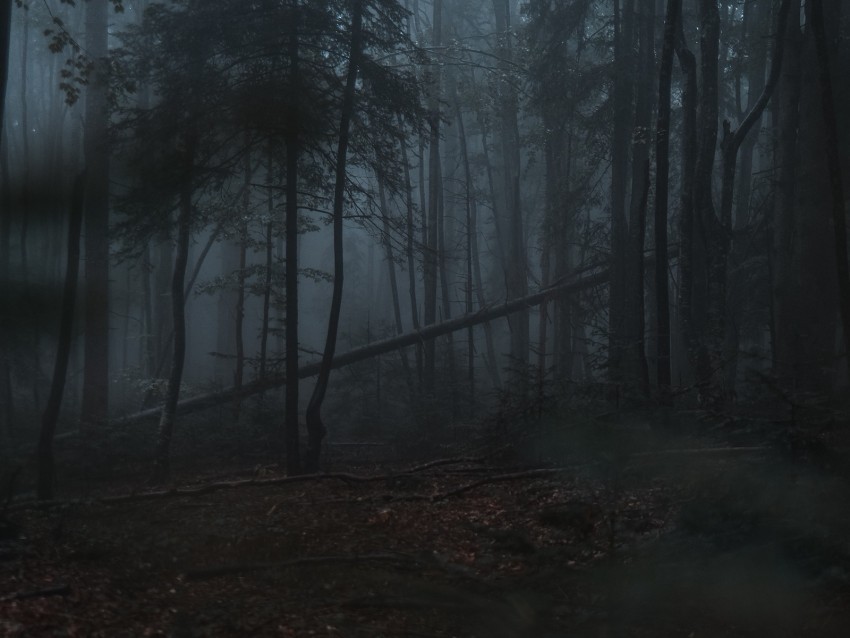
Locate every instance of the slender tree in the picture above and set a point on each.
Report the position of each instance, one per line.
(315, 427)
(95, 403)
(178, 313)
(46, 470)
(293, 150)
(839, 217)
(662, 176)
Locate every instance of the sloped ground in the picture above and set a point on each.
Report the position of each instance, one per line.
(614, 526)
(454, 549)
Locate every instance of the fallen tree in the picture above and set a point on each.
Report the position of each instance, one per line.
(575, 283)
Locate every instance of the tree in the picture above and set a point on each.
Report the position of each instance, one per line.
(315, 427)
(46, 471)
(834, 164)
(95, 403)
(662, 162)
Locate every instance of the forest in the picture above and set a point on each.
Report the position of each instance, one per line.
(497, 318)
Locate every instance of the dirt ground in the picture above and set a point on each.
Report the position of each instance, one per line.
(464, 547)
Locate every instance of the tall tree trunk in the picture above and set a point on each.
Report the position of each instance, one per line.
(267, 282)
(46, 470)
(315, 427)
(411, 240)
(782, 259)
(293, 150)
(95, 404)
(431, 248)
(6, 395)
(178, 317)
(839, 218)
(475, 284)
(634, 321)
(730, 144)
(707, 230)
(622, 98)
(687, 243)
(517, 269)
(390, 256)
(662, 177)
(239, 370)
(740, 303)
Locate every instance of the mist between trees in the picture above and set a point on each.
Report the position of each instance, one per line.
(274, 184)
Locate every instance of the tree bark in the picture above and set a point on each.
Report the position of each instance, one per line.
(475, 284)
(430, 249)
(839, 218)
(95, 402)
(411, 240)
(730, 144)
(662, 177)
(178, 313)
(315, 427)
(390, 256)
(46, 470)
(622, 98)
(6, 395)
(293, 150)
(578, 282)
(517, 268)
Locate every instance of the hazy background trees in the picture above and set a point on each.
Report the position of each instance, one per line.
(676, 154)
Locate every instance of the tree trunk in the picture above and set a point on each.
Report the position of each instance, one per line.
(431, 248)
(239, 370)
(839, 218)
(411, 238)
(267, 282)
(315, 427)
(579, 282)
(95, 404)
(782, 259)
(623, 21)
(517, 268)
(662, 177)
(730, 144)
(634, 321)
(390, 255)
(178, 314)
(475, 284)
(6, 395)
(46, 471)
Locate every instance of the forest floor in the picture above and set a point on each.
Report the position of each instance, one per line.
(687, 542)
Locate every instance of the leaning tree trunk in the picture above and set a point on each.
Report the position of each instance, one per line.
(315, 427)
(46, 471)
(178, 314)
(579, 281)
